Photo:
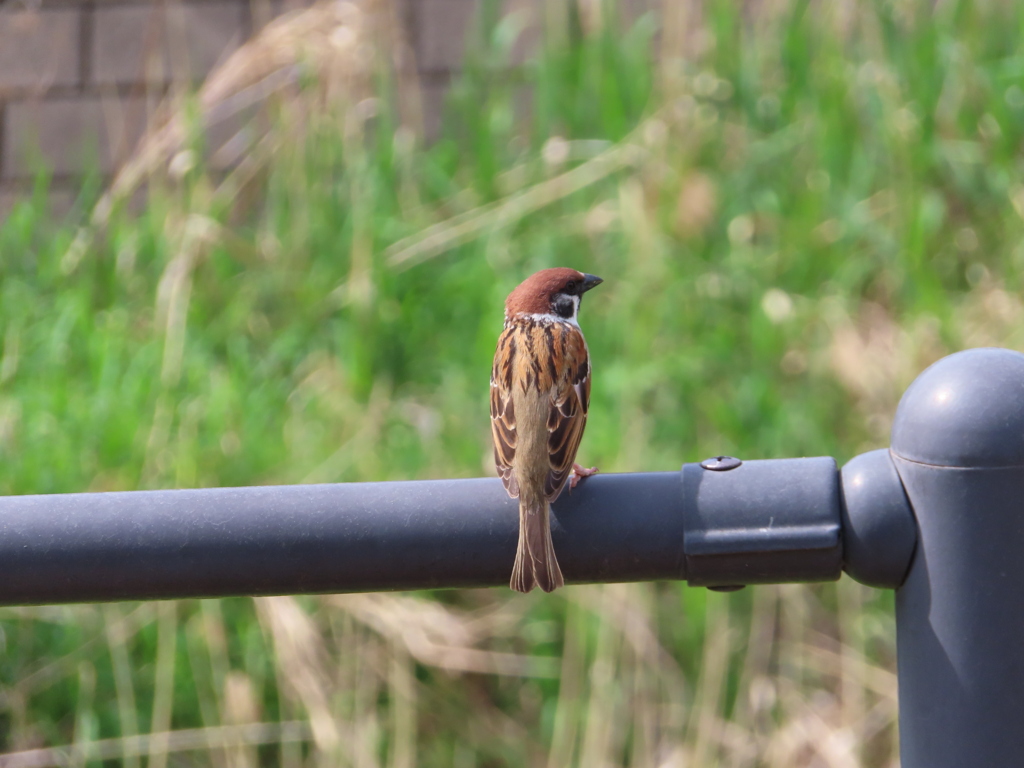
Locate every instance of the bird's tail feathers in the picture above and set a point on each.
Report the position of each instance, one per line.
(536, 564)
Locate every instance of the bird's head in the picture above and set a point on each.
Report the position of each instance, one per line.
(556, 292)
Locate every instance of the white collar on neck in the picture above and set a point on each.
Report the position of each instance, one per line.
(545, 317)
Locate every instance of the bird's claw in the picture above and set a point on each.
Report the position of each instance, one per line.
(578, 473)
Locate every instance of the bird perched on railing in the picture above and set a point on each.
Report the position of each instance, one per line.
(540, 392)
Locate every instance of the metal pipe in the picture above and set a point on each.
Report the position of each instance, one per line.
(958, 445)
(762, 522)
(765, 521)
(324, 538)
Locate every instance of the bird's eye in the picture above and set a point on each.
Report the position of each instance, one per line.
(570, 287)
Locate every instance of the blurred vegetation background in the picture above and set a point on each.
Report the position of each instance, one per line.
(796, 207)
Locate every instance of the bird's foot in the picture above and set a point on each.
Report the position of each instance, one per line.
(578, 473)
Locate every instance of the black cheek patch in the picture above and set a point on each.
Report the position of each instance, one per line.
(563, 306)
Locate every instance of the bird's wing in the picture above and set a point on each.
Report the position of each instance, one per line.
(503, 416)
(570, 400)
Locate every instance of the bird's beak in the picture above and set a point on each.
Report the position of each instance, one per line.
(589, 281)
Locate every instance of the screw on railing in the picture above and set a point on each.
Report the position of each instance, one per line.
(938, 517)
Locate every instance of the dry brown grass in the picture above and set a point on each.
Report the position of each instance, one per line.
(347, 669)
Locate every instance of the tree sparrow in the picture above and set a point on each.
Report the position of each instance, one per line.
(540, 392)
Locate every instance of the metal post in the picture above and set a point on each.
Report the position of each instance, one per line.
(958, 444)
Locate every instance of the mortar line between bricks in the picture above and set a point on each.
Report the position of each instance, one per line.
(85, 41)
(3, 131)
(415, 34)
(90, 90)
(248, 22)
(65, 4)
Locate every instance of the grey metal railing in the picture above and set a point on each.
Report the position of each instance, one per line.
(939, 517)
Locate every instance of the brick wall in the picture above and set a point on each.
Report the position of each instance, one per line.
(78, 78)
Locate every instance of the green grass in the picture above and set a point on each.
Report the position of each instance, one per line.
(798, 218)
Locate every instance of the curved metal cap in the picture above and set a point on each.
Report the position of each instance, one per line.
(967, 410)
(879, 531)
